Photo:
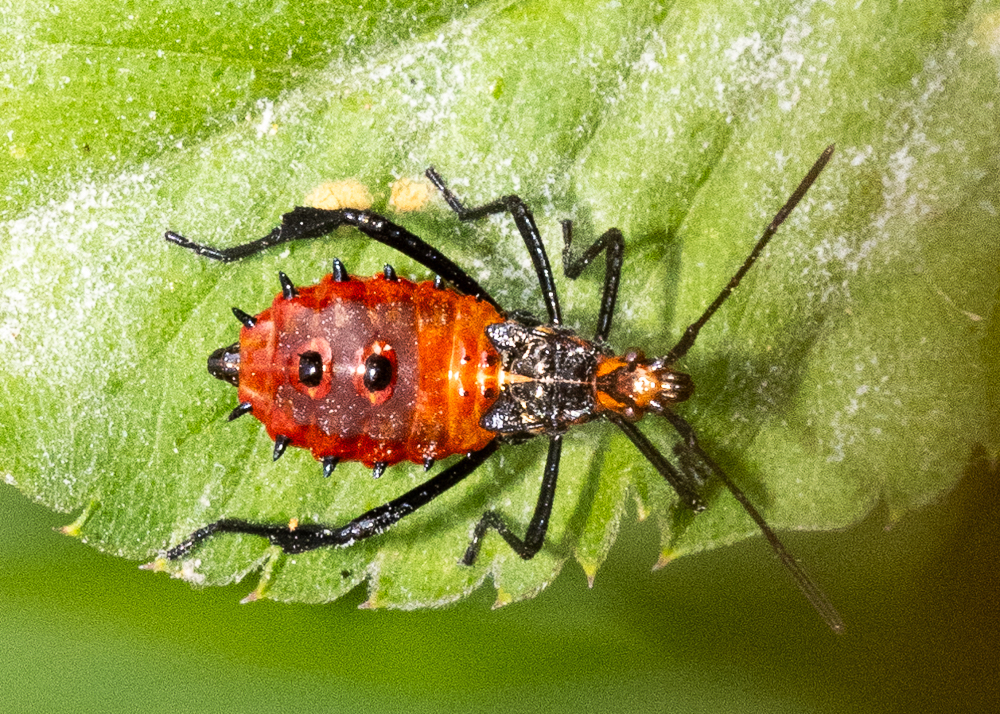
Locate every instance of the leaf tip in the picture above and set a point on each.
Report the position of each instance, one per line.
(666, 557)
(72, 530)
(254, 595)
(375, 601)
(75, 529)
(159, 564)
(271, 566)
(503, 598)
(894, 516)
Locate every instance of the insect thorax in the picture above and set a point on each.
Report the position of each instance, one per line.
(547, 380)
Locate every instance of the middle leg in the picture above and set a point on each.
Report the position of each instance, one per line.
(534, 537)
(525, 223)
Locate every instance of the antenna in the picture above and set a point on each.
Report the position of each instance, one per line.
(691, 333)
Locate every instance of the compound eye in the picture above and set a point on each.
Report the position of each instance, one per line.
(310, 369)
(378, 372)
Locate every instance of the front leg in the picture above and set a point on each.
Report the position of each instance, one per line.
(613, 243)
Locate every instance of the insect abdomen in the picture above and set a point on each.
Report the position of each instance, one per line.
(374, 370)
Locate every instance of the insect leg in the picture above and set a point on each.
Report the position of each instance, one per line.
(305, 537)
(614, 244)
(305, 223)
(525, 223)
(687, 484)
(691, 333)
(535, 535)
(816, 597)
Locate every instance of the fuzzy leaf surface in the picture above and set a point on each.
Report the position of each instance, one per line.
(856, 365)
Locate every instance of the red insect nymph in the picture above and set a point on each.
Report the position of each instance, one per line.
(378, 370)
(382, 370)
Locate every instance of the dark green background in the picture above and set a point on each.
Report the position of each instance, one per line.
(719, 632)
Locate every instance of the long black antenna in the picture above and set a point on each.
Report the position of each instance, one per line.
(812, 592)
(692, 449)
(691, 333)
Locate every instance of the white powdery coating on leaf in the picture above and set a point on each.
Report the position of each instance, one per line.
(67, 265)
(913, 183)
(705, 72)
(71, 318)
(908, 194)
(915, 177)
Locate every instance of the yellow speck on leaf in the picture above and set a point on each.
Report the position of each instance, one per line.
(409, 195)
(332, 195)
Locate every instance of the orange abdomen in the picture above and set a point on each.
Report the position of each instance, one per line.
(443, 370)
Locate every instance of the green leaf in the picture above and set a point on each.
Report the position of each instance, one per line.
(855, 366)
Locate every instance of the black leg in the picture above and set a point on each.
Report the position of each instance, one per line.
(612, 242)
(525, 223)
(698, 461)
(687, 484)
(691, 333)
(304, 223)
(535, 535)
(305, 537)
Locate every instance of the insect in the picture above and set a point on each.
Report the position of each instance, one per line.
(382, 370)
